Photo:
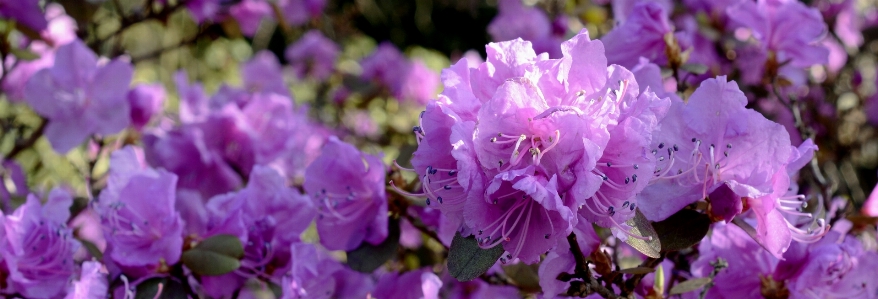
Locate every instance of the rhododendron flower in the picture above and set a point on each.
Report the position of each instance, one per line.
(314, 55)
(79, 97)
(92, 283)
(642, 34)
(273, 216)
(316, 275)
(146, 100)
(298, 12)
(60, 31)
(518, 144)
(38, 246)
(508, 25)
(140, 223)
(347, 188)
(788, 31)
(406, 80)
(263, 74)
(26, 12)
(749, 267)
(414, 284)
(249, 14)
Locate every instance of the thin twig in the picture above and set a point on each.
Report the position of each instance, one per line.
(22, 145)
(589, 284)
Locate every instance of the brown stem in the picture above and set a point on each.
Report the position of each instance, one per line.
(589, 284)
(22, 145)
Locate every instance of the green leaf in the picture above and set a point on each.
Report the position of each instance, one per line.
(24, 54)
(170, 289)
(695, 68)
(217, 255)
(368, 257)
(525, 276)
(690, 285)
(637, 270)
(682, 230)
(228, 245)
(91, 248)
(209, 263)
(641, 227)
(466, 260)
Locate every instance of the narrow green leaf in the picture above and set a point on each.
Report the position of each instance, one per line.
(637, 270)
(641, 227)
(690, 285)
(466, 260)
(209, 263)
(24, 54)
(368, 257)
(228, 245)
(682, 230)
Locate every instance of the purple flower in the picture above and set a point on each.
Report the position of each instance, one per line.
(314, 55)
(419, 83)
(518, 144)
(642, 34)
(414, 284)
(622, 9)
(298, 12)
(836, 267)
(267, 216)
(263, 74)
(316, 275)
(137, 212)
(38, 246)
(870, 207)
(79, 97)
(749, 268)
(92, 282)
(517, 20)
(61, 30)
(476, 289)
(203, 10)
(26, 12)
(347, 187)
(705, 142)
(146, 100)
(788, 29)
(249, 14)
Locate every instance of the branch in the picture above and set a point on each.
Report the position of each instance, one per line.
(589, 284)
(22, 145)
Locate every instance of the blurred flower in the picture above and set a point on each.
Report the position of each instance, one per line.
(263, 74)
(60, 31)
(517, 20)
(298, 12)
(414, 284)
(315, 275)
(314, 55)
(789, 30)
(38, 247)
(26, 12)
(642, 34)
(347, 187)
(273, 216)
(92, 283)
(80, 97)
(141, 225)
(406, 80)
(146, 100)
(249, 14)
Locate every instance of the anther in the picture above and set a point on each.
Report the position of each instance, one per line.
(428, 201)
(452, 172)
(729, 146)
(633, 177)
(636, 167)
(547, 236)
(676, 148)
(693, 139)
(609, 164)
(716, 166)
(654, 152)
(726, 153)
(661, 145)
(422, 114)
(446, 187)
(625, 204)
(493, 139)
(627, 180)
(480, 232)
(631, 207)
(662, 158)
(439, 199)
